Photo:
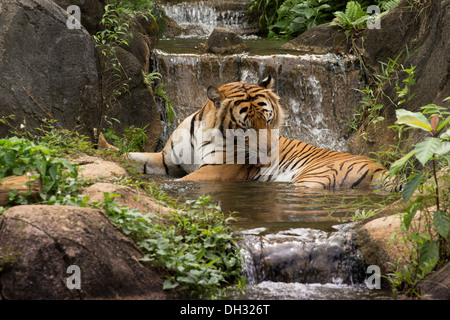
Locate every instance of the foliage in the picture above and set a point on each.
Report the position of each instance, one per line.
(267, 12)
(352, 19)
(428, 238)
(21, 156)
(150, 80)
(290, 18)
(132, 140)
(393, 73)
(296, 16)
(195, 246)
(355, 17)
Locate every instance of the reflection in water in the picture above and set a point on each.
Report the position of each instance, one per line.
(277, 205)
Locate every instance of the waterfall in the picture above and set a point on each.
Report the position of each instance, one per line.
(284, 257)
(198, 19)
(317, 92)
(302, 255)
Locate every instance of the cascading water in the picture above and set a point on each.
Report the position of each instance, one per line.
(290, 250)
(198, 19)
(304, 263)
(316, 91)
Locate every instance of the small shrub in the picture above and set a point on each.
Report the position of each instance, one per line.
(195, 247)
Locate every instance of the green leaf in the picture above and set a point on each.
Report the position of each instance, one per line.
(400, 163)
(412, 186)
(413, 119)
(424, 150)
(18, 171)
(169, 285)
(53, 170)
(409, 215)
(10, 158)
(444, 148)
(443, 124)
(429, 255)
(446, 134)
(442, 223)
(41, 166)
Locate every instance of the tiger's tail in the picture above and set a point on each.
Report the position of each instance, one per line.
(102, 144)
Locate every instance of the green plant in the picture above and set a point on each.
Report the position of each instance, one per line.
(21, 156)
(427, 218)
(63, 141)
(352, 19)
(132, 140)
(355, 17)
(195, 247)
(150, 80)
(266, 10)
(296, 16)
(374, 97)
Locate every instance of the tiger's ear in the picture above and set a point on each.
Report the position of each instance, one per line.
(215, 95)
(267, 82)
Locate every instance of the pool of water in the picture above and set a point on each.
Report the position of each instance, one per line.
(291, 226)
(256, 46)
(277, 205)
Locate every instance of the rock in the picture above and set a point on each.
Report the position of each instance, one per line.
(422, 30)
(223, 41)
(320, 40)
(172, 28)
(46, 70)
(98, 169)
(374, 240)
(135, 105)
(91, 12)
(129, 197)
(436, 286)
(304, 255)
(41, 242)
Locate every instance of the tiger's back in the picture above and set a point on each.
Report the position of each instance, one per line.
(317, 168)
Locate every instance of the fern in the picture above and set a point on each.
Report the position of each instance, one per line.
(352, 19)
(354, 11)
(389, 5)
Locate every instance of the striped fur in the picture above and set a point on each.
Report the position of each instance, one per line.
(244, 106)
(317, 168)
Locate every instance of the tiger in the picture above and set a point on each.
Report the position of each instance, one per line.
(243, 107)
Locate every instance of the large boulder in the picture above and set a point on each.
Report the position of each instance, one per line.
(46, 69)
(223, 41)
(127, 98)
(321, 39)
(39, 243)
(96, 169)
(421, 29)
(375, 241)
(129, 197)
(91, 12)
(437, 285)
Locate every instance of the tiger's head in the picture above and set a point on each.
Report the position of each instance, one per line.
(244, 106)
(240, 105)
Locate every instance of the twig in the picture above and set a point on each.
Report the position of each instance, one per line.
(37, 103)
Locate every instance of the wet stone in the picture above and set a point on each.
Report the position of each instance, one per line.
(303, 255)
(223, 41)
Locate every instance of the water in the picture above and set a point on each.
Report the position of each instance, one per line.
(317, 92)
(198, 19)
(298, 244)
